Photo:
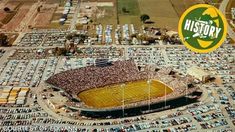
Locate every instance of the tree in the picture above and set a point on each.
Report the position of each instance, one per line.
(38, 9)
(144, 17)
(3, 39)
(6, 9)
(69, 36)
(57, 51)
(125, 10)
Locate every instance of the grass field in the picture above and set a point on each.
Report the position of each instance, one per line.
(161, 12)
(111, 96)
(110, 16)
(132, 16)
(164, 13)
(131, 6)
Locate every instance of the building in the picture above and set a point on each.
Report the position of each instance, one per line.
(13, 95)
(57, 101)
(199, 73)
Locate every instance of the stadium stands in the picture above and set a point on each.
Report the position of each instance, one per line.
(78, 80)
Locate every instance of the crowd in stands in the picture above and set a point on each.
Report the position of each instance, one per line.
(78, 80)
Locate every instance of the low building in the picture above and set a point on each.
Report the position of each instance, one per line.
(13, 95)
(199, 73)
(57, 101)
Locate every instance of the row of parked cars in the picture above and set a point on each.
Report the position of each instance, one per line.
(27, 72)
(43, 38)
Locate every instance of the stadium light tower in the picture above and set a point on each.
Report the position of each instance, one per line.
(149, 92)
(165, 94)
(186, 88)
(123, 99)
(149, 88)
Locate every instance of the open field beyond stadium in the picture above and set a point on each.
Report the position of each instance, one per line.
(112, 96)
(161, 16)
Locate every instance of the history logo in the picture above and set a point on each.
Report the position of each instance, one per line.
(202, 28)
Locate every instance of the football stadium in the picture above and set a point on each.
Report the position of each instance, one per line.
(121, 87)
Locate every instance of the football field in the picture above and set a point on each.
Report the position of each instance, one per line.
(112, 96)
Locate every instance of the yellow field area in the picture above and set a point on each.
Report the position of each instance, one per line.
(112, 96)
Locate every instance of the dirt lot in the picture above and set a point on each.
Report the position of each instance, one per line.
(44, 17)
(13, 4)
(5, 17)
(24, 14)
(3, 14)
(19, 16)
(12, 20)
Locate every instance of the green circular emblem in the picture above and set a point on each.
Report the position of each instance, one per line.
(202, 28)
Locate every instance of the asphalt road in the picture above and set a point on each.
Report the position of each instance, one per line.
(75, 15)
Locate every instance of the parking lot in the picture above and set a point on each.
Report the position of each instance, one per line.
(43, 38)
(33, 66)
